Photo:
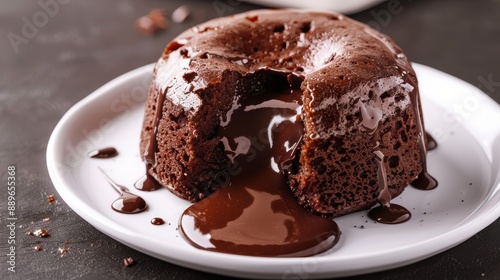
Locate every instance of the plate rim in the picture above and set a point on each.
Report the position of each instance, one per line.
(254, 266)
(340, 6)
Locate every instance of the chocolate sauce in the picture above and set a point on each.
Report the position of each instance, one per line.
(387, 212)
(256, 213)
(384, 197)
(104, 153)
(157, 221)
(424, 180)
(392, 214)
(127, 203)
(431, 142)
(147, 183)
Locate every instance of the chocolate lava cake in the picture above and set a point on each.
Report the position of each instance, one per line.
(356, 106)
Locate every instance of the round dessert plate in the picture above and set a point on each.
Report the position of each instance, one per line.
(340, 6)
(466, 163)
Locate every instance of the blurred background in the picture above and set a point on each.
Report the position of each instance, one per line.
(53, 53)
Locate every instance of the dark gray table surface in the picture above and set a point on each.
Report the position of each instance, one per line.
(84, 44)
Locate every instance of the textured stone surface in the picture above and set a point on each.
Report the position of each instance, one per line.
(87, 44)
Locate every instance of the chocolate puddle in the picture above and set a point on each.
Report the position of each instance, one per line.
(256, 214)
(431, 142)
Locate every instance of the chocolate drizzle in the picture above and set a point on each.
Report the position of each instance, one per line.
(108, 152)
(384, 197)
(424, 180)
(148, 182)
(387, 212)
(127, 203)
(256, 214)
(431, 142)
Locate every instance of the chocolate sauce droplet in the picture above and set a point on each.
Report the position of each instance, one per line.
(157, 221)
(104, 153)
(431, 142)
(256, 213)
(147, 183)
(393, 214)
(424, 182)
(127, 203)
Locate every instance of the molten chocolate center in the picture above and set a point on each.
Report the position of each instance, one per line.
(255, 213)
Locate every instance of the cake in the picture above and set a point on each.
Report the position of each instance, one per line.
(361, 138)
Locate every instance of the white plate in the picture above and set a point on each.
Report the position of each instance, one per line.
(466, 164)
(340, 6)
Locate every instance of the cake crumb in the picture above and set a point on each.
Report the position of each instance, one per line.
(45, 219)
(62, 250)
(39, 233)
(51, 198)
(38, 248)
(128, 262)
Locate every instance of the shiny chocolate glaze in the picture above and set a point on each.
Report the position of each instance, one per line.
(431, 142)
(147, 183)
(256, 213)
(392, 214)
(129, 203)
